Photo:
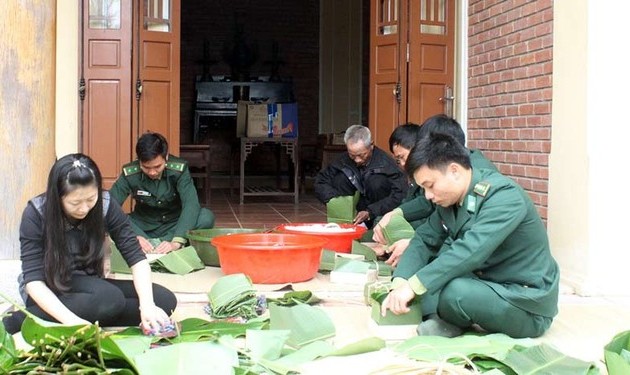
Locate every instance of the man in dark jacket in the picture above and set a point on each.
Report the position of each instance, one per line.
(366, 169)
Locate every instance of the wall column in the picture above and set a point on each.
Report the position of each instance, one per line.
(27, 110)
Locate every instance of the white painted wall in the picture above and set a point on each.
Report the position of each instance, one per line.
(589, 158)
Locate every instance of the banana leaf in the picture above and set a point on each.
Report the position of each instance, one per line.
(543, 359)
(342, 210)
(495, 351)
(397, 229)
(436, 348)
(42, 333)
(383, 268)
(351, 265)
(375, 288)
(180, 262)
(203, 357)
(327, 261)
(195, 329)
(361, 249)
(344, 264)
(616, 364)
(117, 263)
(266, 344)
(233, 295)
(295, 297)
(38, 331)
(306, 323)
(319, 349)
(8, 353)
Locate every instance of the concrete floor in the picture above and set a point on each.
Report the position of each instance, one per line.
(582, 328)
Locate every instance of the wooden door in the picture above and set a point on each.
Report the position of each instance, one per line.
(431, 59)
(129, 78)
(412, 63)
(387, 69)
(106, 88)
(157, 69)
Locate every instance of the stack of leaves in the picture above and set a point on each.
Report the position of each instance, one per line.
(617, 354)
(180, 262)
(342, 210)
(233, 296)
(494, 352)
(397, 229)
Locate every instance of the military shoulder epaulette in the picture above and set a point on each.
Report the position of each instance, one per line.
(481, 188)
(175, 165)
(130, 169)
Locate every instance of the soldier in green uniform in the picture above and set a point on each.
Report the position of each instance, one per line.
(166, 202)
(482, 258)
(416, 208)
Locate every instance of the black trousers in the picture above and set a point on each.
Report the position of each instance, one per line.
(110, 302)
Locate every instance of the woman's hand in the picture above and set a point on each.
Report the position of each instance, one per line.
(153, 318)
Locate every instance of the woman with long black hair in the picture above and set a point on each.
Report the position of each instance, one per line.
(63, 236)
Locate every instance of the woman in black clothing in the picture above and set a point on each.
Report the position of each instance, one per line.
(62, 240)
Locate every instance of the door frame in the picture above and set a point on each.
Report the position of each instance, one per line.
(460, 70)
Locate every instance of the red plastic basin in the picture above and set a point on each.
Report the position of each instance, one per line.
(270, 258)
(339, 242)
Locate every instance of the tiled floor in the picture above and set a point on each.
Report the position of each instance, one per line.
(263, 211)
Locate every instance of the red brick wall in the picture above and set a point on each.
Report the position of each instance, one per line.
(510, 77)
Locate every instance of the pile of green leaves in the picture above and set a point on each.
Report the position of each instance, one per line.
(63, 349)
(180, 262)
(495, 352)
(233, 296)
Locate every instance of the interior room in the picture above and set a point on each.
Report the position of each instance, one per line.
(286, 47)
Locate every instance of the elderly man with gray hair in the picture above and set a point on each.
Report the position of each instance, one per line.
(367, 169)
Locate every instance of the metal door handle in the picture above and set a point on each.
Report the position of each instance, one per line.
(398, 92)
(138, 89)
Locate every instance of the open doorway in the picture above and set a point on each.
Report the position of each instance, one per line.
(281, 39)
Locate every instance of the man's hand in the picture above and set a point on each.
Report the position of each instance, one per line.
(397, 249)
(379, 249)
(145, 245)
(378, 229)
(397, 300)
(361, 217)
(166, 247)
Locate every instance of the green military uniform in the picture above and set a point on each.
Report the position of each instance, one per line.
(486, 261)
(165, 208)
(416, 208)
